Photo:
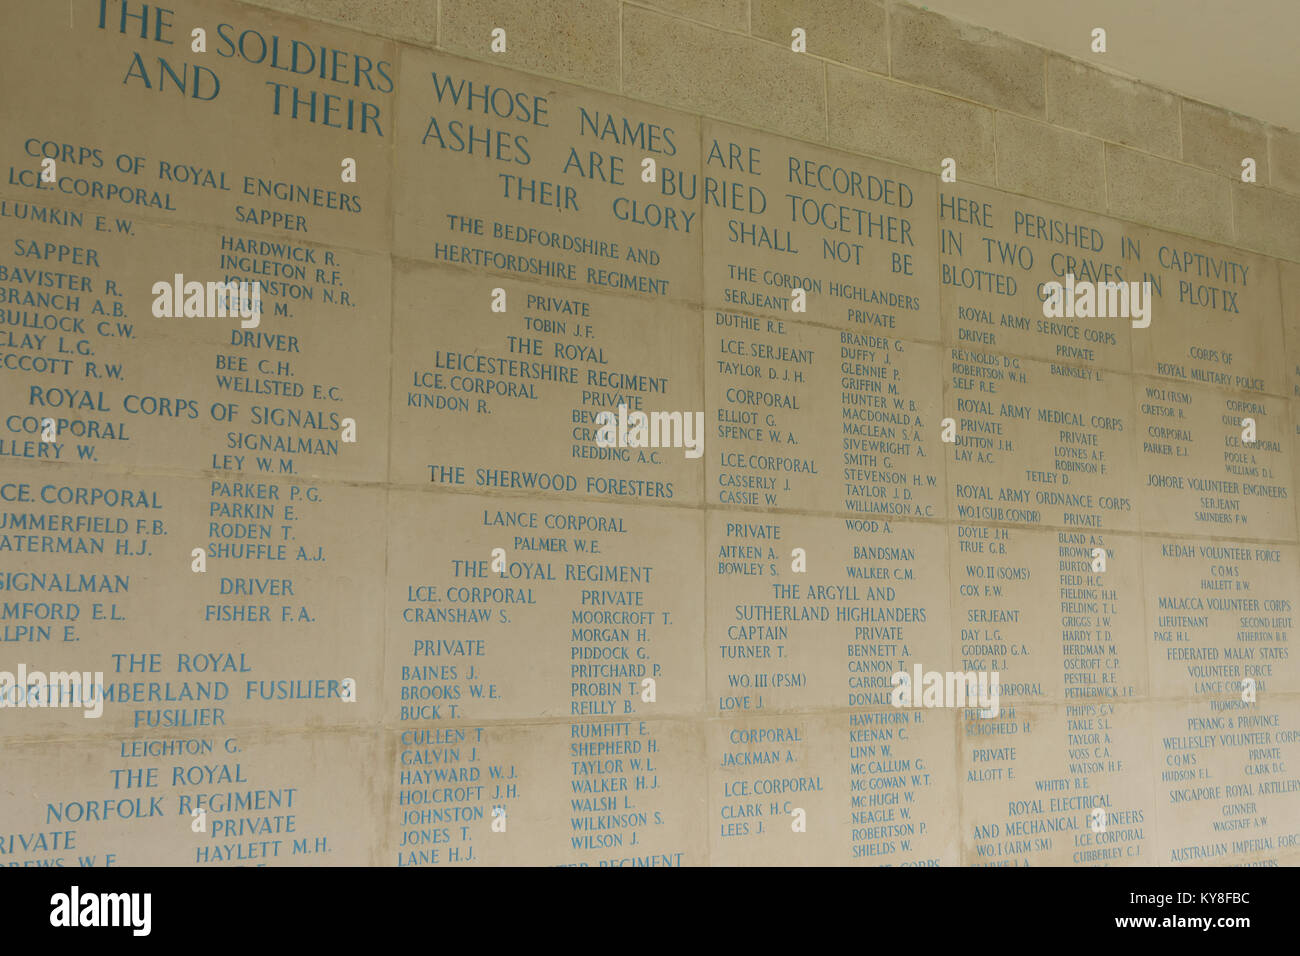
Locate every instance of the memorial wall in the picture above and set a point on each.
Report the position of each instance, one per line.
(358, 575)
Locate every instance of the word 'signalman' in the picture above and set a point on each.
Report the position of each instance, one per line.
(1088, 300)
(655, 430)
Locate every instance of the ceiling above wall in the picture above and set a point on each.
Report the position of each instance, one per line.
(1243, 55)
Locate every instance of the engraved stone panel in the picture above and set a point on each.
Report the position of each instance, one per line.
(1032, 793)
(267, 798)
(578, 595)
(996, 253)
(857, 235)
(622, 792)
(813, 418)
(1242, 490)
(1035, 444)
(150, 132)
(127, 387)
(548, 181)
(526, 389)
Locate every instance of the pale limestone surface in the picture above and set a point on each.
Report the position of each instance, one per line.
(571, 39)
(1268, 222)
(731, 14)
(1219, 140)
(976, 64)
(910, 125)
(1116, 109)
(742, 79)
(1283, 149)
(1050, 162)
(1167, 194)
(847, 31)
